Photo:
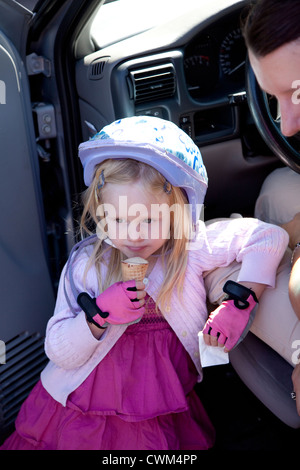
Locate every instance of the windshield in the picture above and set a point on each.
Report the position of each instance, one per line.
(120, 19)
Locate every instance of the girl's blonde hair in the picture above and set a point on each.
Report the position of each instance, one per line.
(174, 253)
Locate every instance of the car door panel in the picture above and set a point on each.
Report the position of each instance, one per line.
(27, 295)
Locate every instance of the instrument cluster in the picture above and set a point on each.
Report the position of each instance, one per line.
(214, 64)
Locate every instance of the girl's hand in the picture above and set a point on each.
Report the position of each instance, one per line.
(121, 303)
(228, 324)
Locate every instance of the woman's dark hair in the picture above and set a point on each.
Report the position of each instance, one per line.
(269, 24)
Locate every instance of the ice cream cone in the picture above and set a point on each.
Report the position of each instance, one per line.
(134, 268)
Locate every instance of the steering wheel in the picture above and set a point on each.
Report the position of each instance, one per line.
(287, 149)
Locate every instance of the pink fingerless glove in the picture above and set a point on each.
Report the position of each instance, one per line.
(119, 305)
(231, 321)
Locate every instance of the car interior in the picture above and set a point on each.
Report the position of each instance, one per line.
(68, 68)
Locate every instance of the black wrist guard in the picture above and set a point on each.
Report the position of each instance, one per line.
(238, 293)
(90, 308)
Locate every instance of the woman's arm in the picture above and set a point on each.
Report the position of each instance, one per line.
(293, 230)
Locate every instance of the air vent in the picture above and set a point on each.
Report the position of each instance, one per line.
(25, 358)
(153, 83)
(96, 68)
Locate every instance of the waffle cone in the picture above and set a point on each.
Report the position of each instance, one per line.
(134, 268)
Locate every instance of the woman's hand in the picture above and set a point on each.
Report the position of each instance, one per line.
(293, 229)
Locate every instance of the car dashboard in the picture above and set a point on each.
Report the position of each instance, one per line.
(214, 62)
(190, 71)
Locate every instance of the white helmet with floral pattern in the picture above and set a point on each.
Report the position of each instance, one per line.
(157, 142)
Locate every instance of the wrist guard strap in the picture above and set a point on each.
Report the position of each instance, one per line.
(91, 309)
(239, 294)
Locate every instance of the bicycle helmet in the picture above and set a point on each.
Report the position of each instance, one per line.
(157, 142)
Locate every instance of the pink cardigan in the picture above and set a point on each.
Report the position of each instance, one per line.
(74, 352)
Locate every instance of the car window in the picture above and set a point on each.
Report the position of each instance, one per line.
(120, 19)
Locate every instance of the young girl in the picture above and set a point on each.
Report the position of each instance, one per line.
(124, 356)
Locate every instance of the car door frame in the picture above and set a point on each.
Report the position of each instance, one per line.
(37, 51)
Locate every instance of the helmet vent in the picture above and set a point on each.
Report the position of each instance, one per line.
(153, 83)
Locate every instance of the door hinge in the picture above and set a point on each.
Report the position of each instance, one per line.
(38, 64)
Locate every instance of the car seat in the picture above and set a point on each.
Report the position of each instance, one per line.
(268, 376)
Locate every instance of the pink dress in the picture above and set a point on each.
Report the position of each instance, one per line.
(140, 397)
